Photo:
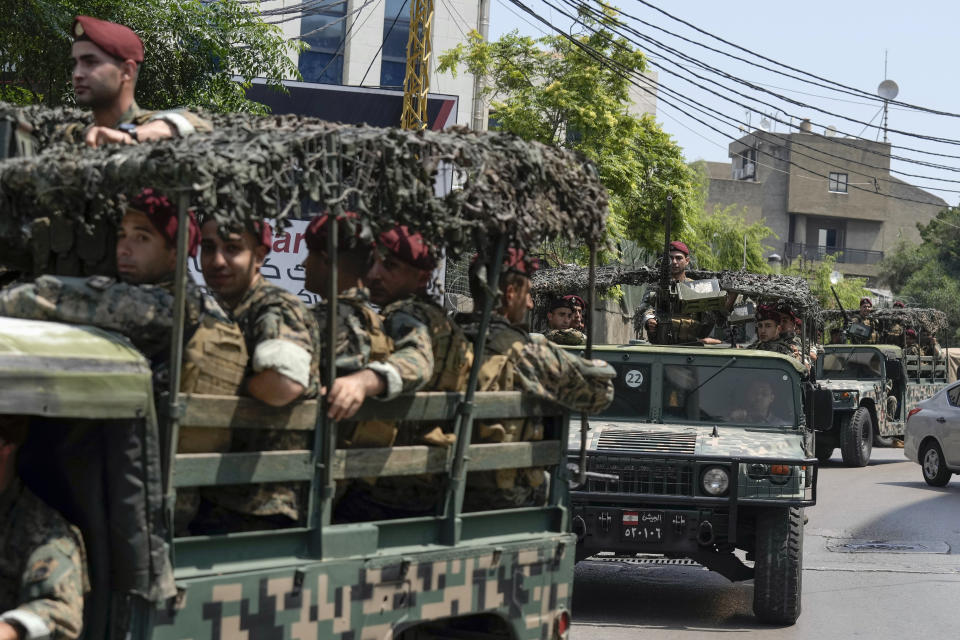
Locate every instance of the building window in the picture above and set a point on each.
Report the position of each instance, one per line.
(838, 183)
(323, 30)
(396, 31)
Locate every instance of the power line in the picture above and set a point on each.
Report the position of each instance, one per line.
(383, 42)
(579, 4)
(613, 64)
(841, 87)
(839, 141)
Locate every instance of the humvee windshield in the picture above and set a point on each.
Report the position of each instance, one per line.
(852, 364)
(705, 394)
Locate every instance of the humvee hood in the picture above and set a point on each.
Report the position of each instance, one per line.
(613, 438)
(59, 370)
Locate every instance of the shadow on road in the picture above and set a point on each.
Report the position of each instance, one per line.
(660, 596)
(936, 517)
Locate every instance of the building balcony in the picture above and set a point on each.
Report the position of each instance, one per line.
(843, 254)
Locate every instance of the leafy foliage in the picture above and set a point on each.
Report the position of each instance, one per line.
(928, 274)
(551, 90)
(850, 290)
(193, 50)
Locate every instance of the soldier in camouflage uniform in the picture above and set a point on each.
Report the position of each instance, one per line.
(863, 317)
(364, 367)
(912, 348)
(43, 574)
(579, 308)
(140, 306)
(790, 325)
(768, 333)
(106, 60)
(560, 320)
(893, 333)
(440, 361)
(283, 341)
(690, 328)
(514, 359)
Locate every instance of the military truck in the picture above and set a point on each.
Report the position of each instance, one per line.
(104, 431)
(872, 388)
(704, 451)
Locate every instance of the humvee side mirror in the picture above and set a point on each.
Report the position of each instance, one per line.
(822, 418)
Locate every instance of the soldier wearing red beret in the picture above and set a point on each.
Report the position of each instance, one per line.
(431, 354)
(106, 61)
(690, 328)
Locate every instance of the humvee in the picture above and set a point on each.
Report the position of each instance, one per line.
(103, 447)
(873, 387)
(705, 452)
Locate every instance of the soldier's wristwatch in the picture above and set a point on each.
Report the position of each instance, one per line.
(130, 129)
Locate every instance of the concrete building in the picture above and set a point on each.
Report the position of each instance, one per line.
(822, 195)
(362, 43)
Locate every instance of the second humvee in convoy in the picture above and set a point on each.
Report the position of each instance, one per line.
(873, 387)
(706, 453)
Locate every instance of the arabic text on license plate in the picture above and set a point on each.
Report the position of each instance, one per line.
(643, 526)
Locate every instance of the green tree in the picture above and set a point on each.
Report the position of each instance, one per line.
(716, 238)
(193, 50)
(928, 274)
(552, 90)
(850, 290)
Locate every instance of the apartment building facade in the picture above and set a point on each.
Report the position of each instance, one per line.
(822, 195)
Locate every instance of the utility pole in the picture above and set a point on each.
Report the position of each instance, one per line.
(416, 81)
(479, 82)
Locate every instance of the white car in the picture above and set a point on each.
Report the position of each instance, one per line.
(932, 436)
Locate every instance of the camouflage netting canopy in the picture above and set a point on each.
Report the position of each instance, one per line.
(792, 290)
(58, 208)
(931, 320)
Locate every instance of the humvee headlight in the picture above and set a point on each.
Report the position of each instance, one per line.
(715, 481)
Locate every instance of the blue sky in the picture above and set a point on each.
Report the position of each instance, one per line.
(843, 41)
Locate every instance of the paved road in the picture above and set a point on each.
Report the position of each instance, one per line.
(878, 595)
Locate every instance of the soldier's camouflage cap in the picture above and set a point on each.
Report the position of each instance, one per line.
(117, 40)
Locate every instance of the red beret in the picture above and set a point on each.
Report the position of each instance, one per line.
(676, 245)
(867, 301)
(264, 233)
(163, 216)
(911, 332)
(768, 312)
(518, 261)
(117, 40)
(898, 305)
(576, 300)
(316, 234)
(408, 246)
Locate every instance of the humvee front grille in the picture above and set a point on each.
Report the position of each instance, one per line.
(642, 475)
(647, 441)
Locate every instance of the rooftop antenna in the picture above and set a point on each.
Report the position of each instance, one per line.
(887, 90)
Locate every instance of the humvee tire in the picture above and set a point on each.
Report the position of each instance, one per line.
(856, 439)
(779, 566)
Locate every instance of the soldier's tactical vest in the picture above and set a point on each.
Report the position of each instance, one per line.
(497, 374)
(373, 433)
(214, 362)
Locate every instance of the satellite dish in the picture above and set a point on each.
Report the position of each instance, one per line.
(888, 90)
(835, 277)
(765, 124)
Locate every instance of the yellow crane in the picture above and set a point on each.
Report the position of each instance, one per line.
(416, 81)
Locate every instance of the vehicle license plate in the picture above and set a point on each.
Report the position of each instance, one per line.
(643, 526)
